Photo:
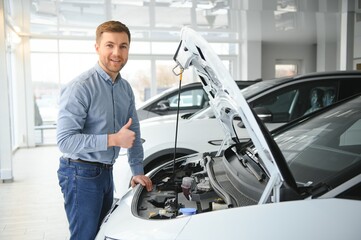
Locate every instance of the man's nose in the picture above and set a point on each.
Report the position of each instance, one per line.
(116, 51)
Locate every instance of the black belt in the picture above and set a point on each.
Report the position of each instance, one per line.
(98, 164)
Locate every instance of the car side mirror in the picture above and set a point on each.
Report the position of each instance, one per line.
(264, 114)
(162, 106)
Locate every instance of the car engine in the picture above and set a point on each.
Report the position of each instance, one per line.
(192, 184)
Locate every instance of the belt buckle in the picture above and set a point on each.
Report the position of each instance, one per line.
(106, 166)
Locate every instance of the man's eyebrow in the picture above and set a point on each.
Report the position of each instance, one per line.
(123, 43)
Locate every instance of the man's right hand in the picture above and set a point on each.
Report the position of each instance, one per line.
(123, 138)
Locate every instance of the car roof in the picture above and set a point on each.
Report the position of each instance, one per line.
(241, 84)
(265, 85)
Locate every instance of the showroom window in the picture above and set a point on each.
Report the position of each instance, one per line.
(54, 63)
(138, 74)
(137, 12)
(62, 36)
(287, 68)
(181, 13)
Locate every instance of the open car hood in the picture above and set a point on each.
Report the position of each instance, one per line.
(228, 102)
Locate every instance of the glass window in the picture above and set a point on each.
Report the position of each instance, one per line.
(349, 87)
(165, 76)
(164, 47)
(225, 48)
(67, 61)
(39, 73)
(44, 17)
(45, 84)
(227, 64)
(213, 15)
(137, 47)
(296, 101)
(137, 14)
(81, 13)
(279, 105)
(138, 74)
(44, 45)
(170, 14)
(188, 99)
(75, 46)
(43, 29)
(73, 18)
(285, 70)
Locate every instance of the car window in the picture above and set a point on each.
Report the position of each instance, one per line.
(280, 104)
(349, 87)
(188, 99)
(294, 101)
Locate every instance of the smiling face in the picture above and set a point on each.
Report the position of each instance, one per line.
(113, 50)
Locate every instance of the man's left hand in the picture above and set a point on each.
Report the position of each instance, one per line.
(143, 180)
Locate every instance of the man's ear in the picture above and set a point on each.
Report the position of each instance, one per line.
(96, 46)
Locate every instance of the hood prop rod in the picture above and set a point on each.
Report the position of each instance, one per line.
(176, 139)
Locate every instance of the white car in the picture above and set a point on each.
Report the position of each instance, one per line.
(301, 183)
(276, 101)
(192, 98)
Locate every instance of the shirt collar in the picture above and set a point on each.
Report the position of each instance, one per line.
(104, 75)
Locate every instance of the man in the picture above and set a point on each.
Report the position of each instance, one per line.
(97, 117)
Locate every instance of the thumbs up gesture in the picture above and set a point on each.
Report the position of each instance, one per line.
(123, 138)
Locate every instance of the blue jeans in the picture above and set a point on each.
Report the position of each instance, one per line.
(88, 196)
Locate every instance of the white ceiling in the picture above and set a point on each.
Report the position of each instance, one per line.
(285, 21)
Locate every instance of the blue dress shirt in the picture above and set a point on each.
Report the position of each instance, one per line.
(91, 107)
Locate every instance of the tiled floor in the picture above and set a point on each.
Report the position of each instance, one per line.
(31, 207)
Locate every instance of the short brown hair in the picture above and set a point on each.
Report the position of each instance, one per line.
(111, 26)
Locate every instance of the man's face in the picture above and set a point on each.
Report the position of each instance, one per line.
(113, 49)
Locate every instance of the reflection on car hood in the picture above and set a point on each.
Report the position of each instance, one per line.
(171, 117)
(225, 97)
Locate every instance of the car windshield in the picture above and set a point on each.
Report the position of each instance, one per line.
(247, 92)
(261, 86)
(320, 149)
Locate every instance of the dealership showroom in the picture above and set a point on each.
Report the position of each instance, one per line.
(45, 44)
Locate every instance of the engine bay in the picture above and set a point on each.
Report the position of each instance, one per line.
(192, 185)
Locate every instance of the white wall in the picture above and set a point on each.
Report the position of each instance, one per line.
(271, 52)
